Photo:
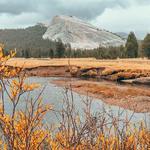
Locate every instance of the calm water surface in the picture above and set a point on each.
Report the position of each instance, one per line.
(54, 95)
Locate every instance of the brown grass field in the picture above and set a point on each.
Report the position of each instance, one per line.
(139, 63)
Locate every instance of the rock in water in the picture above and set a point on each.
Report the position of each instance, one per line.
(80, 34)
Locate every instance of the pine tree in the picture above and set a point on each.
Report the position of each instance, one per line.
(122, 51)
(68, 51)
(38, 53)
(51, 53)
(146, 46)
(26, 53)
(60, 49)
(131, 46)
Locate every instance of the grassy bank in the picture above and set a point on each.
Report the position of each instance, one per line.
(124, 70)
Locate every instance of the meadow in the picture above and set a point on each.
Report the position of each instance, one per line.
(137, 63)
(24, 129)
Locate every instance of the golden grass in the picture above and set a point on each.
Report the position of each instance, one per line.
(142, 64)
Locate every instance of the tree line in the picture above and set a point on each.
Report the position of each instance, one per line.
(28, 43)
(132, 49)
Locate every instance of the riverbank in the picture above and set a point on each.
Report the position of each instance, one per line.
(129, 71)
(132, 72)
(133, 98)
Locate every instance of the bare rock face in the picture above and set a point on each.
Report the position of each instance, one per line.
(80, 34)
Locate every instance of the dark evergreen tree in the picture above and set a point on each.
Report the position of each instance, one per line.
(146, 46)
(26, 53)
(51, 53)
(131, 46)
(68, 51)
(60, 49)
(38, 53)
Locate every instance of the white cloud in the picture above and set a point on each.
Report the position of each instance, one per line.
(134, 18)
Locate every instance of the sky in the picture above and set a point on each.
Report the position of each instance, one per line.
(112, 15)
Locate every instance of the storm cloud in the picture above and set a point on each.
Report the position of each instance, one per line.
(114, 15)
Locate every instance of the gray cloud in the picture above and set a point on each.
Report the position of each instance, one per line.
(21, 13)
(16, 6)
(86, 8)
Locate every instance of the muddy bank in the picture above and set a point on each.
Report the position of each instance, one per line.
(133, 98)
(48, 71)
(130, 76)
(134, 77)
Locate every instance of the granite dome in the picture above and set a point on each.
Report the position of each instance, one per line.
(80, 34)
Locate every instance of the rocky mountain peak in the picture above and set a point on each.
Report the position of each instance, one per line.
(80, 34)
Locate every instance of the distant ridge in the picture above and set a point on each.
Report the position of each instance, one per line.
(122, 35)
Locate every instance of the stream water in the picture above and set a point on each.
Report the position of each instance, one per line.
(54, 95)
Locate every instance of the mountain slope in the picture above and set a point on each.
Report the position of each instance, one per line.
(80, 34)
(26, 39)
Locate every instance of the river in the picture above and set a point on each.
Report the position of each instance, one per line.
(54, 95)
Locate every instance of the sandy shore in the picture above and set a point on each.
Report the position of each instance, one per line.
(133, 98)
